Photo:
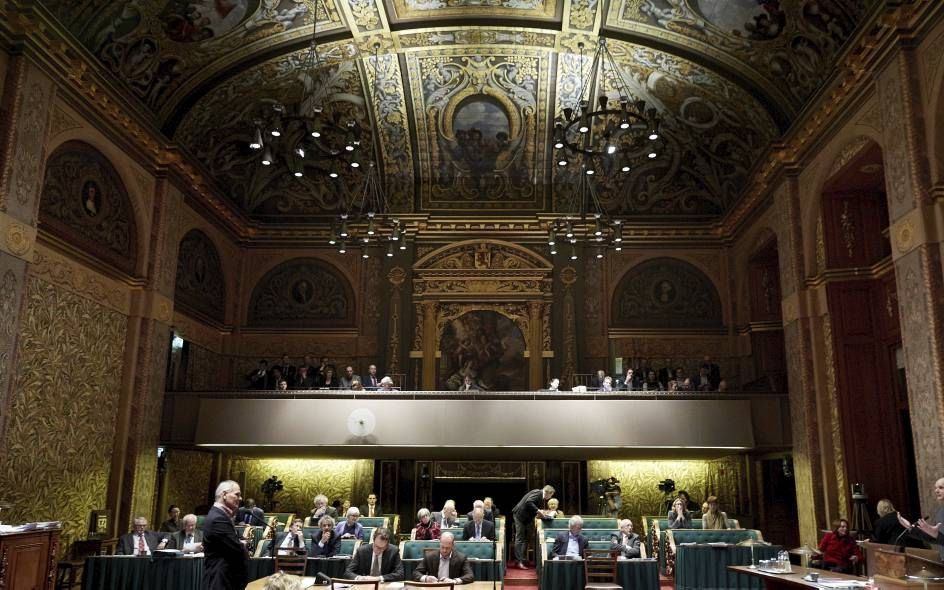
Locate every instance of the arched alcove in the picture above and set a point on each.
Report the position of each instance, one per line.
(200, 285)
(302, 293)
(85, 203)
(663, 293)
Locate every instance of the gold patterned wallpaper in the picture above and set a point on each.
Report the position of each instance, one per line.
(639, 481)
(306, 478)
(63, 411)
(188, 479)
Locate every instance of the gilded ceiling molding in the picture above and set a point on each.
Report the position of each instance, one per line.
(582, 15)
(426, 9)
(423, 39)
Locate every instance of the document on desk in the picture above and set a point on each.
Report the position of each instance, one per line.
(840, 583)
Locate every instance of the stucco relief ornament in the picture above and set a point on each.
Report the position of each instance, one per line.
(18, 239)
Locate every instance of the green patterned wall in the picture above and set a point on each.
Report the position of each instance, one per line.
(64, 406)
(639, 482)
(188, 479)
(306, 478)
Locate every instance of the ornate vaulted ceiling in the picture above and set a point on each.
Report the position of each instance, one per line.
(467, 90)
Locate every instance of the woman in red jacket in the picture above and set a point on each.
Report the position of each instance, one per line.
(839, 549)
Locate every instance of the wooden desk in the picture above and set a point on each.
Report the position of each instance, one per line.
(794, 580)
(29, 558)
(261, 582)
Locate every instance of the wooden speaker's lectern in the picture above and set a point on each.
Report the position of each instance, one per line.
(891, 569)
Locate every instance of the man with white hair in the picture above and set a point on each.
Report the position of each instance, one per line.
(626, 542)
(448, 565)
(189, 538)
(486, 512)
(478, 529)
(446, 518)
(226, 561)
(350, 528)
(571, 544)
(140, 541)
(321, 508)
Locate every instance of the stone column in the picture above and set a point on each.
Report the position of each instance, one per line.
(429, 346)
(798, 338)
(916, 235)
(535, 345)
(25, 105)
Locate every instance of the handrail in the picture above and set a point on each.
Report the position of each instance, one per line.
(476, 395)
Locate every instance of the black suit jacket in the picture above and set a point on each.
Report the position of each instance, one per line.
(458, 567)
(277, 543)
(257, 514)
(560, 544)
(378, 510)
(177, 539)
(391, 568)
(528, 507)
(630, 548)
(370, 382)
(127, 542)
(330, 548)
(226, 563)
(488, 530)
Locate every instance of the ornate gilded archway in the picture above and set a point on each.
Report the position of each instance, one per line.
(482, 275)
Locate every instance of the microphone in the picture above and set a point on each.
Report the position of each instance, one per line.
(323, 577)
(898, 539)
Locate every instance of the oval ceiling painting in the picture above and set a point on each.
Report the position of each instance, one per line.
(188, 21)
(759, 20)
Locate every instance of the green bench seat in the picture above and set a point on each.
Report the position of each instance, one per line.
(654, 528)
(675, 537)
(471, 549)
(347, 547)
(588, 523)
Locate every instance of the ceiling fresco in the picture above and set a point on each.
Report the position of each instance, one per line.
(460, 103)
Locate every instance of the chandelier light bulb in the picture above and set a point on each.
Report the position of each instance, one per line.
(343, 233)
(403, 244)
(315, 133)
(610, 148)
(355, 164)
(624, 123)
(364, 253)
(562, 163)
(599, 252)
(559, 145)
(371, 230)
(551, 238)
(598, 230)
(652, 155)
(267, 156)
(343, 248)
(625, 168)
(589, 171)
(569, 230)
(276, 131)
(390, 250)
(618, 247)
(573, 252)
(653, 136)
(618, 233)
(333, 174)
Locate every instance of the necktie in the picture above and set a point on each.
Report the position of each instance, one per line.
(142, 550)
(478, 531)
(375, 565)
(189, 540)
(295, 540)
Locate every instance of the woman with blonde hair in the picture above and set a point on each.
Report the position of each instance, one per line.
(282, 581)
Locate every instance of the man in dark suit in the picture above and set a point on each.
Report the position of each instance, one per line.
(468, 384)
(378, 561)
(572, 543)
(322, 509)
(372, 508)
(290, 542)
(626, 542)
(447, 565)
(477, 528)
(326, 542)
(226, 562)
(371, 381)
(487, 512)
(596, 382)
(446, 518)
(251, 514)
(530, 506)
(189, 538)
(141, 541)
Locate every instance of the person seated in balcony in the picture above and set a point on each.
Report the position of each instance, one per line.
(630, 380)
(350, 528)
(302, 379)
(839, 549)
(553, 385)
(259, 377)
(329, 381)
(477, 528)
(607, 384)
(679, 517)
(372, 380)
(356, 385)
(386, 384)
(680, 382)
(426, 528)
(347, 380)
(712, 517)
(325, 542)
(468, 384)
(626, 542)
(652, 382)
(703, 381)
(596, 382)
(571, 544)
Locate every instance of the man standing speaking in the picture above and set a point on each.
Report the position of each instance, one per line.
(530, 506)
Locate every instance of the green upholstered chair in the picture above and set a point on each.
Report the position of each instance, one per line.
(374, 521)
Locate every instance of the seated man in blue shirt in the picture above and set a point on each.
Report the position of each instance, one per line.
(570, 544)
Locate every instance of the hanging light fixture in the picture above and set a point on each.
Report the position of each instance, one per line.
(301, 134)
(582, 217)
(615, 128)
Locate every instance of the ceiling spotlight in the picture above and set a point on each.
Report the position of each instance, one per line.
(599, 253)
(562, 163)
(624, 123)
(267, 156)
(355, 164)
(551, 237)
(653, 136)
(625, 168)
(333, 174)
(573, 252)
(589, 171)
(349, 147)
(315, 133)
(390, 250)
(652, 155)
(256, 143)
(584, 123)
(275, 131)
(343, 248)
(610, 148)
